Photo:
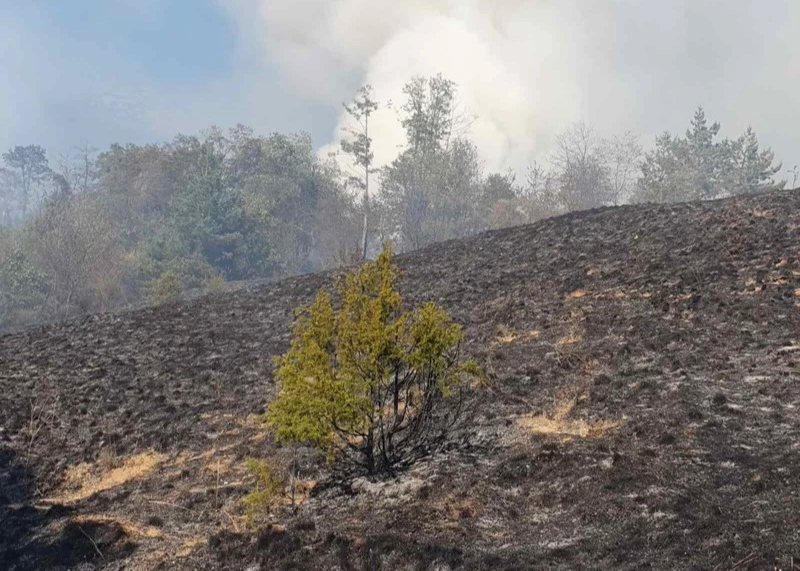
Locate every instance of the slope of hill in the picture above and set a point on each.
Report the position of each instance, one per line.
(643, 413)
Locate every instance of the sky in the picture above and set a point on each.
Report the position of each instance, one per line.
(102, 71)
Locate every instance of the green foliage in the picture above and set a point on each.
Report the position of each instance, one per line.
(215, 283)
(369, 380)
(434, 196)
(166, 288)
(268, 490)
(434, 190)
(358, 146)
(30, 163)
(22, 286)
(230, 204)
(429, 113)
(698, 167)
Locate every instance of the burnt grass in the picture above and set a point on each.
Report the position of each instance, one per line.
(680, 323)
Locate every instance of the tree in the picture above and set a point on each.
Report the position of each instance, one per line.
(666, 175)
(436, 197)
(205, 211)
(795, 172)
(370, 381)
(540, 194)
(705, 158)
(74, 244)
(434, 189)
(136, 183)
(359, 147)
(536, 199)
(338, 227)
(282, 194)
(79, 168)
(751, 169)
(699, 168)
(429, 113)
(623, 161)
(30, 162)
(499, 186)
(579, 165)
(22, 287)
(8, 199)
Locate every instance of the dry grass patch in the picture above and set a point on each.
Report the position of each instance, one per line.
(130, 528)
(505, 336)
(571, 339)
(190, 545)
(557, 423)
(84, 480)
(456, 508)
(577, 294)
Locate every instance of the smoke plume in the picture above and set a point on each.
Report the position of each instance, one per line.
(528, 68)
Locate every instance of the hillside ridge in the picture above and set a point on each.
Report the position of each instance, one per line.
(642, 412)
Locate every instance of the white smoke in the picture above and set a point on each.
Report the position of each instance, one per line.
(527, 69)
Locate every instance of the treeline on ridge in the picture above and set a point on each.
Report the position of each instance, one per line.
(140, 224)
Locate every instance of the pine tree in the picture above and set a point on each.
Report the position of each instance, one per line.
(752, 169)
(705, 157)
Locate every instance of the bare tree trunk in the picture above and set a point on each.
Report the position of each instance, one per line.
(369, 452)
(364, 235)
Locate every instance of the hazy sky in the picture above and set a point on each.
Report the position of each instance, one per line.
(103, 71)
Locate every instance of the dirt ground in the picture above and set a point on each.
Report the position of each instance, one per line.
(643, 412)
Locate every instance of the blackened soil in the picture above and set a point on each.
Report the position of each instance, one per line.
(678, 325)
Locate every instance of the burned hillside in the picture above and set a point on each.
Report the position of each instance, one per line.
(641, 412)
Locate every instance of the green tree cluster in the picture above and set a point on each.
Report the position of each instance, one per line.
(141, 224)
(698, 166)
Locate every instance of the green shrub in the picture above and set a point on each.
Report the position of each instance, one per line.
(268, 491)
(370, 382)
(22, 287)
(215, 283)
(166, 288)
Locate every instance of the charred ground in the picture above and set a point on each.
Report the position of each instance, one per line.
(642, 413)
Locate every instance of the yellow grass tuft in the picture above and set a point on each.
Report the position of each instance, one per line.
(190, 545)
(571, 339)
(577, 294)
(506, 336)
(557, 423)
(505, 339)
(84, 480)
